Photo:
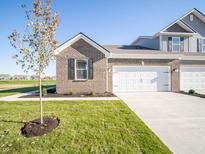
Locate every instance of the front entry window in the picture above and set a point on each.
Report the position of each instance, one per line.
(175, 44)
(81, 71)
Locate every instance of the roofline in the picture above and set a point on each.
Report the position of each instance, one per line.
(174, 33)
(154, 56)
(85, 38)
(194, 9)
(180, 19)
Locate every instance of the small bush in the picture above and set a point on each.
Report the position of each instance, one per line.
(191, 91)
(92, 93)
(44, 91)
(70, 93)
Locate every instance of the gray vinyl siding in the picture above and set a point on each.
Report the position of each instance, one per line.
(193, 44)
(175, 28)
(196, 24)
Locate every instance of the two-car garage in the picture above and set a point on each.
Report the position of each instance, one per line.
(141, 78)
(156, 78)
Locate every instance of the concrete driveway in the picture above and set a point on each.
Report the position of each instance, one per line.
(177, 119)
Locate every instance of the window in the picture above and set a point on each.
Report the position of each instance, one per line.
(191, 17)
(175, 44)
(81, 71)
(203, 46)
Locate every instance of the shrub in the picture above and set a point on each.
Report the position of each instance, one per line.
(191, 91)
(92, 93)
(44, 91)
(70, 93)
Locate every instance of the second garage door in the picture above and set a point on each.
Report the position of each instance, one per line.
(192, 78)
(144, 78)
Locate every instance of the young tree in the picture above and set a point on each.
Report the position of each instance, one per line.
(37, 45)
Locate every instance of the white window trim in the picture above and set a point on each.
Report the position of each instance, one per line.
(81, 69)
(177, 51)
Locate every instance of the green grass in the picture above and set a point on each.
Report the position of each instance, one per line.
(16, 87)
(86, 127)
(9, 92)
(26, 82)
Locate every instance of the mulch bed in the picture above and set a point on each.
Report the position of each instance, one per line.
(35, 128)
(195, 94)
(52, 93)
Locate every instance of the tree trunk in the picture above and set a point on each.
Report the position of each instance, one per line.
(41, 102)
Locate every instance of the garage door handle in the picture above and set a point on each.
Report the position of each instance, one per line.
(166, 84)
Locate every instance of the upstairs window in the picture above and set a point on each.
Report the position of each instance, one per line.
(176, 44)
(203, 46)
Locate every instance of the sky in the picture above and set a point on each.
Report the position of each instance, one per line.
(105, 21)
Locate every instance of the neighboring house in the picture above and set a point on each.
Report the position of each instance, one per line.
(34, 77)
(5, 77)
(20, 77)
(171, 60)
(47, 78)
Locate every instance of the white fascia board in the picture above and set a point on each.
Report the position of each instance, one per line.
(146, 56)
(75, 39)
(156, 56)
(176, 33)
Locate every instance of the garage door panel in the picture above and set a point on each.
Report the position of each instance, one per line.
(192, 78)
(130, 79)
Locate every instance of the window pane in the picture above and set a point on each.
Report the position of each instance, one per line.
(81, 74)
(176, 48)
(203, 42)
(176, 40)
(203, 49)
(81, 64)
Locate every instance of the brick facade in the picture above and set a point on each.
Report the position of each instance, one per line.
(81, 50)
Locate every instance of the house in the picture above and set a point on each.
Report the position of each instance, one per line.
(34, 77)
(20, 77)
(171, 60)
(5, 77)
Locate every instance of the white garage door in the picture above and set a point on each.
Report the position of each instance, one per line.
(143, 78)
(192, 78)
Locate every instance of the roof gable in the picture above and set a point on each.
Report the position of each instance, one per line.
(180, 24)
(197, 13)
(188, 29)
(86, 39)
(176, 28)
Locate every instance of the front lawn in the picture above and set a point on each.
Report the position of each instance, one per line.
(85, 127)
(13, 84)
(8, 92)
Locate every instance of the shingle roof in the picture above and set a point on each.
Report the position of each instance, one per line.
(129, 49)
